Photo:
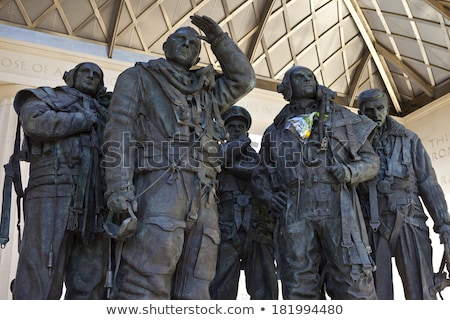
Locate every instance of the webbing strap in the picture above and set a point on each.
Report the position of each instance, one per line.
(12, 176)
(6, 206)
(373, 204)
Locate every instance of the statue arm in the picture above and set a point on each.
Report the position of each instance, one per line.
(364, 169)
(432, 195)
(267, 183)
(238, 75)
(42, 122)
(261, 182)
(119, 134)
(430, 191)
(243, 165)
(362, 163)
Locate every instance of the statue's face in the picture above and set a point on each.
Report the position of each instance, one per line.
(236, 128)
(88, 78)
(182, 48)
(303, 84)
(377, 110)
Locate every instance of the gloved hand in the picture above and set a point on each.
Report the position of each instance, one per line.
(278, 203)
(118, 201)
(90, 115)
(93, 116)
(210, 28)
(340, 172)
(444, 235)
(122, 205)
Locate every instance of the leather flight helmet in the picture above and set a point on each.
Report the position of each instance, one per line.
(237, 112)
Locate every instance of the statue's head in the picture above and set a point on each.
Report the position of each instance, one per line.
(374, 104)
(298, 83)
(237, 112)
(183, 47)
(87, 77)
(237, 120)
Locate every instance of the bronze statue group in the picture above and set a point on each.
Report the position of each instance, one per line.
(153, 191)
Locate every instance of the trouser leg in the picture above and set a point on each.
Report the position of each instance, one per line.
(383, 274)
(197, 265)
(260, 274)
(344, 286)
(413, 258)
(299, 258)
(44, 239)
(86, 268)
(226, 281)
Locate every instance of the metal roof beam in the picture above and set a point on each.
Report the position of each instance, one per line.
(113, 40)
(405, 69)
(422, 100)
(259, 33)
(43, 15)
(135, 19)
(442, 9)
(135, 24)
(342, 39)
(369, 40)
(63, 16)
(22, 11)
(170, 29)
(96, 15)
(356, 79)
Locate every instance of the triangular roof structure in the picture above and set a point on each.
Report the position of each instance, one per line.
(400, 46)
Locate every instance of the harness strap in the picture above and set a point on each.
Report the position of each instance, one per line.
(354, 238)
(373, 204)
(12, 176)
(393, 159)
(78, 207)
(352, 141)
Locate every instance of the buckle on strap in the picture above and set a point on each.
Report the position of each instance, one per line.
(374, 225)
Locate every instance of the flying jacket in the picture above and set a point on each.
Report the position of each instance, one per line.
(161, 119)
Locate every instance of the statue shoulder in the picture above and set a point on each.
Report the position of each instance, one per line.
(398, 129)
(40, 93)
